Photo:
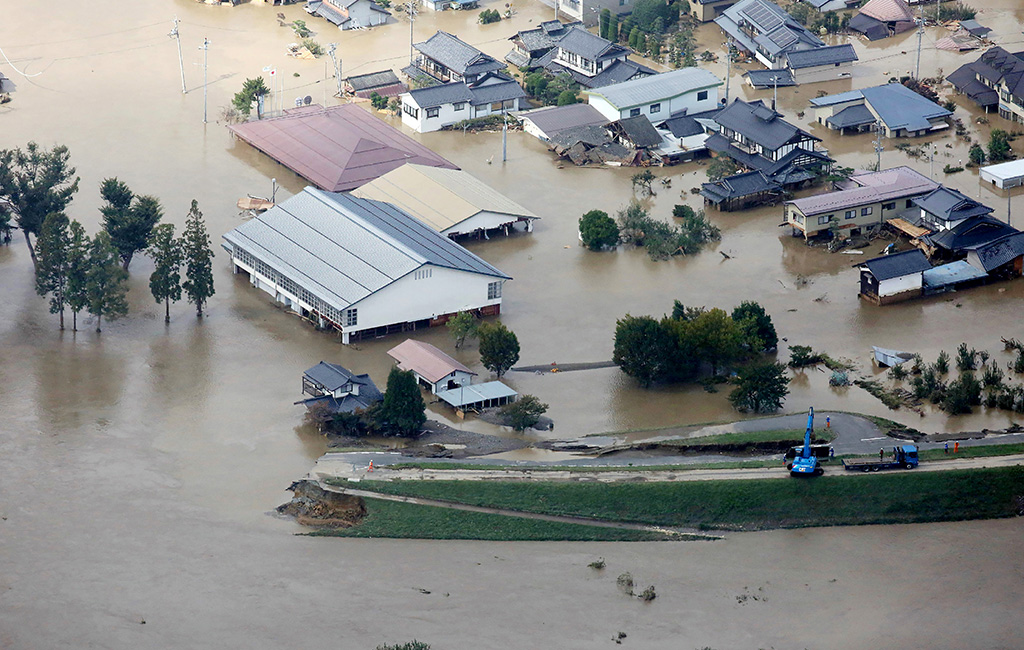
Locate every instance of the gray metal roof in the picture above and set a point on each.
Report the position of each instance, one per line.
(996, 253)
(838, 98)
(587, 45)
(372, 80)
(829, 55)
(951, 274)
(456, 54)
(898, 264)
(655, 88)
(474, 393)
(343, 249)
(552, 119)
(950, 205)
(770, 78)
(496, 89)
(444, 94)
(856, 115)
(870, 187)
(901, 108)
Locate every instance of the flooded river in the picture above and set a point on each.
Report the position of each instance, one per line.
(136, 467)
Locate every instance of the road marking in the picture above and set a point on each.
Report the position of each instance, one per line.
(870, 439)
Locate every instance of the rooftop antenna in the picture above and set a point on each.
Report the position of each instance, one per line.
(181, 64)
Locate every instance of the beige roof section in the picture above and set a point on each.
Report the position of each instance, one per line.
(425, 360)
(440, 200)
(888, 11)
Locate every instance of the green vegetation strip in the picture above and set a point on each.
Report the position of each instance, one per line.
(897, 497)
(980, 451)
(682, 467)
(406, 520)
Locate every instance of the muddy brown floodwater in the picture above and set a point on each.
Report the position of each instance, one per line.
(137, 467)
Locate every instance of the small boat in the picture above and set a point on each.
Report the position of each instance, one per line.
(255, 203)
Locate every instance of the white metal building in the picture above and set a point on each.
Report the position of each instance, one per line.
(363, 267)
(658, 96)
(1004, 175)
(450, 201)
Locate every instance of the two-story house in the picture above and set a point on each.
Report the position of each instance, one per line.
(689, 90)
(349, 14)
(766, 31)
(444, 58)
(338, 390)
(530, 45)
(996, 79)
(435, 107)
(944, 208)
(593, 62)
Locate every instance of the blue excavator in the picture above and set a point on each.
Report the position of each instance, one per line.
(806, 463)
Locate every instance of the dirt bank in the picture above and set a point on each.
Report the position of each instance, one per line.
(315, 507)
(733, 449)
(437, 440)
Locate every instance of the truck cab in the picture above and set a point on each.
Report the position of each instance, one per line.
(907, 456)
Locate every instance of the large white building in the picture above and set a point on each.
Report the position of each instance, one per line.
(363, 267)
(658, 96)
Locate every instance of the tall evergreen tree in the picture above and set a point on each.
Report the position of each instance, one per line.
(165, 282)
(129, 219)
(198, 258)
(52, 270)
(605, 19)
(106, 281)
(35, 182)
(402, 412)
(78, 272)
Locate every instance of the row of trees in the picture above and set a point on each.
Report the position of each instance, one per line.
(79, 273)
(635, 226)
(551, 89)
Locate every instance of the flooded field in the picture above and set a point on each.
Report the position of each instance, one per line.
(136, 467)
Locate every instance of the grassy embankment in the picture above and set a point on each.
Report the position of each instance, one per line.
(898, 497)
(406, 520)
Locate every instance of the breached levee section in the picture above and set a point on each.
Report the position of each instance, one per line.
(313, 506)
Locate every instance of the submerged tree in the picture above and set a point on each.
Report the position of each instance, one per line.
(52, 270)
(165, 281)
(499, 347)
(77, 290)
(251, 91)
(643, 348)
(598, 231)
(402, 413)
(760, 388)
(198, 259)
(106, 281)
(462, 326)
(129, 219)
(524, 412)
(34, 183)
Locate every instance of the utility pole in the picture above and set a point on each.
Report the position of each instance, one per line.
(205, 48)
(920, 34)
(1008, 206)
(728, 75)
(775, 90)
(181, 64)
(332, 51)
(504, 133)
(411, 9)
(878, 145)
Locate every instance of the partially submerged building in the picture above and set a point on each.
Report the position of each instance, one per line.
(893, 278)
(995, 80)
(349, 14)
(546, 122)
(452, 202)
(900, 111)
(1004, 175)
(444, 58)
(688, 90)
(436, 107)
(866, 201)
(433, 369)
(944, 208)
(821, 63)
(384, 83)
(335, 389)
(882, 18)
(338, 148)
(362, 267)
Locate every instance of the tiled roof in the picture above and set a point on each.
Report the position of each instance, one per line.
(998, 252)
(898, 265)
(589, 46)
(888, 11)
(658, 87)
(872, 187)
(617, 72)
(552, 119)
(457, 55)
(950, 205)
(759, 124)
(738, 186)
(829, 55)
(873, 28)
(372, 80)
(970, 233)
(639, 131)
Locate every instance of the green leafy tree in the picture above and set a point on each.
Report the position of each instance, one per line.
(634, 38)
(77, 291)
(128, 219)
(759, 331)
(462, 326)
(613, 29)
(402, 413)
(598, 230)
(106, 281)
(524, 412)
(52, 271)
(378, 101)
(488, 16)
(165, 281)
(499, 348)
(198, 259)
(647, 14)
(300, 29)
(721, 167)
(976, 154)
(34, 183)
(716, 338)
(999, 146)
(604, 20)
(760, 388)
(251, 91)
(942, 363)
(642, 348)
(567, 97)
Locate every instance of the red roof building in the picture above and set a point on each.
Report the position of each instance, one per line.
(338, 148)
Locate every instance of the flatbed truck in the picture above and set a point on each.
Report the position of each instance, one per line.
(906, 458)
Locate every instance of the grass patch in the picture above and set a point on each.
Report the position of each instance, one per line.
(889, 397)
(407, 520)
(909, 497)
(738, 464)
(793, 436)
(972, 452)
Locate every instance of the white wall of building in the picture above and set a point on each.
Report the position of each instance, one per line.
(447, 114)
(820, 73)
(483, 220)
(664, 107)
(362, 15)
(901, 284)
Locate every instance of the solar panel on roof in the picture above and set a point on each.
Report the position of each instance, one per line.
(783, 37)
(761, 15)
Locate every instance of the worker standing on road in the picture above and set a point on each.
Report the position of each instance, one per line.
(831, 453)
(828, 422)
(956, 447)
(881, 454)
(947, 447)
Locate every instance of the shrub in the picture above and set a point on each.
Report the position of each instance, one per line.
(942, 363)
(378, 101)
(598, 230)
(314, 48)
(898, 372)
(300, 29)
(488, 16)
(803, 355)
(524, 412)
(965, 358)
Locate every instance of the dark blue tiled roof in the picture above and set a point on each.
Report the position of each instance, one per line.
(898, 264)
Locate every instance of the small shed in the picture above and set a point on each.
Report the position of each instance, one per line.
(888, 358)
(433, 368)
(975, 28)
(1002, 257)
(385, 83)
(893, 278)
(1004, 175)
(477, 397)
(943, 278)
